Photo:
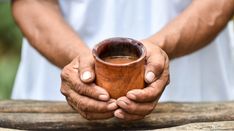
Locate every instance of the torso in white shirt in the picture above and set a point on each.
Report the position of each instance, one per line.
(205, 75)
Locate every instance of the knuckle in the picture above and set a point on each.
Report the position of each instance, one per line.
(151, 94)
(70, 103)
(158, 67)
(82, 89)
(85, 68)
(99, 107)
(82, 106)
(90, 106)
(132, 108)
(142, 96)
(86, 63)
(151, 108)
(63, 91)
(65, 73)
(148, 93)
(78, 87)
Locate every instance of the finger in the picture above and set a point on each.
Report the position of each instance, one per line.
(92, 91)
(71, 68)
(154, 67)
(71, 79)
(122, 115)
(86, 69)
(135, 108)
(71, 104)
(153, 91)
(148, 94)
(87, 104)
(91, 115)
(64, 89)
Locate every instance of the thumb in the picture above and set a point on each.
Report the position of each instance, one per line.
(154, 68)
(86, 69)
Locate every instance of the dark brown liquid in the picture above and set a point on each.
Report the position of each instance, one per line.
(119, 59)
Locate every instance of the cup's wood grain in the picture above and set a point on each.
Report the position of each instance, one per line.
(119, 80)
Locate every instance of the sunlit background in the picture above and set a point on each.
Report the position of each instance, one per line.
(10, 44)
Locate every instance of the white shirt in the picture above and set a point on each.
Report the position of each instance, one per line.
(206, 75)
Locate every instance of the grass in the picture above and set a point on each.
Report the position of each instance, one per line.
(8, 68)
(10, 44)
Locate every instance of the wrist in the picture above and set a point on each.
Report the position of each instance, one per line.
(158, 40)
(79, 49)
(167, 42)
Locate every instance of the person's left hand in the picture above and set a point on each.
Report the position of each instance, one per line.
(140, 102)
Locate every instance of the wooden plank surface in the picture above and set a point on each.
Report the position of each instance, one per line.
(215, 126)
(7, 129)
(58, 115)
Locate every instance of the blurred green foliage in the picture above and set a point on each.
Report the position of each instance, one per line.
(10, 44)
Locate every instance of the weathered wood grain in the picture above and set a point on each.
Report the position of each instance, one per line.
(58, 115)
(204, 126)
(7, 129)
(14, 106)
(62, 107)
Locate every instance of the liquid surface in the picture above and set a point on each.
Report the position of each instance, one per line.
(119, 59)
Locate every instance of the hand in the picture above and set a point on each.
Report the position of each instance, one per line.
(90, 100)
(140, 102)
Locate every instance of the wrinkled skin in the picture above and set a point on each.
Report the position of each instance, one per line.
(93, 102)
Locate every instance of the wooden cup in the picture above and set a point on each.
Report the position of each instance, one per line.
(118, 79)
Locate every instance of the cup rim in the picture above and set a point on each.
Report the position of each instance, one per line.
(138, 43)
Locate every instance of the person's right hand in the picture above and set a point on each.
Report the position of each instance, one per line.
(90, 100)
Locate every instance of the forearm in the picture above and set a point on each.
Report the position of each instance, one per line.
(199, 24)
(43, 25)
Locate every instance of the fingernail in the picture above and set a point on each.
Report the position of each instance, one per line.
(86, 75)
(118, 114)
(122, 103)
(112, 106)
(131, 96)
(150, 76)
(103, 97)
